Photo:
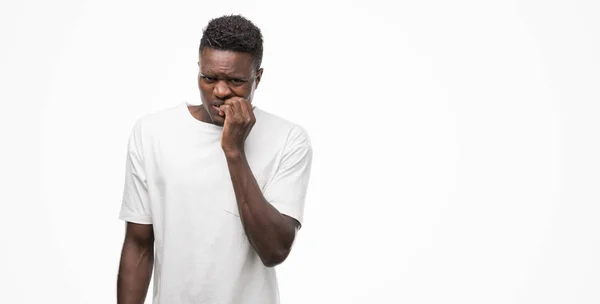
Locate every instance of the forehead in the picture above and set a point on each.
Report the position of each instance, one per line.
(225, 62)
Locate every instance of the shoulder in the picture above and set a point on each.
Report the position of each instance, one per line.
(151, 123)
(161, 116)
(275, 126)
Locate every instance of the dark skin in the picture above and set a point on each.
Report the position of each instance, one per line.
(227, 81)
(135, 268)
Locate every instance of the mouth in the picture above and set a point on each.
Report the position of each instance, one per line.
(218, 110)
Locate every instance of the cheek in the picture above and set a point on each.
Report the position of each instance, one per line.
(204, 89)
(244, 92)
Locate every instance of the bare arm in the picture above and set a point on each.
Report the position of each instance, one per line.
(135, 268)
(269, 232)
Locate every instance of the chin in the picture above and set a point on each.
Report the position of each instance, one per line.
(214, 119)
(217, 120)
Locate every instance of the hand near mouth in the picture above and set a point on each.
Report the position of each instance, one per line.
(239, 120)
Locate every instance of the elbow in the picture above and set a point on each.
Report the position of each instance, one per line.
(275, 253)
(276, 257)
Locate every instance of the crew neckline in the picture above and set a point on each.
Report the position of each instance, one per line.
(198, 123)
(201, 124)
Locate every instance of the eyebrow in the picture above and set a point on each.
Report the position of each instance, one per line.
(228, 77)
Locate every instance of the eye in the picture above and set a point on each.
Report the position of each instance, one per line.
(237, 82)
(208, 78)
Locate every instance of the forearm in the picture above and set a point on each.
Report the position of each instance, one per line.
(135, 271)
(269, 232)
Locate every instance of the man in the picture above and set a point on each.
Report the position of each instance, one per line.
(214, 194)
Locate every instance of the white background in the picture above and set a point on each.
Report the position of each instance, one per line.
(457, 147)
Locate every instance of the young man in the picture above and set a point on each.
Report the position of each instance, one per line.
(214, 194)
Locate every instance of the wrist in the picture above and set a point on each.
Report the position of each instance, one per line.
(234, 154)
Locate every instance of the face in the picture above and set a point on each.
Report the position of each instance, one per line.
(222, 75)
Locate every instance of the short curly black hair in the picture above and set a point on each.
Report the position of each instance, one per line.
(233, 33)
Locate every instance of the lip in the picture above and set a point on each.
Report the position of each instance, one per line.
(217, 110)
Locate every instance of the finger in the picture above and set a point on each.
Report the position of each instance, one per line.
(234, 102)
(228, 112)
(231, 101)
(251, 112)
(238, 110)
(245, 107)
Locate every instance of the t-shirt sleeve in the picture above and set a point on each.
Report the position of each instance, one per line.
(135, 206)
(286, 191)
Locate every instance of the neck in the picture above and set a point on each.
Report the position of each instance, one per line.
(199, 112)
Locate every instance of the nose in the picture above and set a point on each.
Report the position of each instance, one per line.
(221, 89)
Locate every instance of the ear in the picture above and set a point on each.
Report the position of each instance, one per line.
(258, 76)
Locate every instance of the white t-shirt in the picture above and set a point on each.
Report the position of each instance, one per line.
(177, 179)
